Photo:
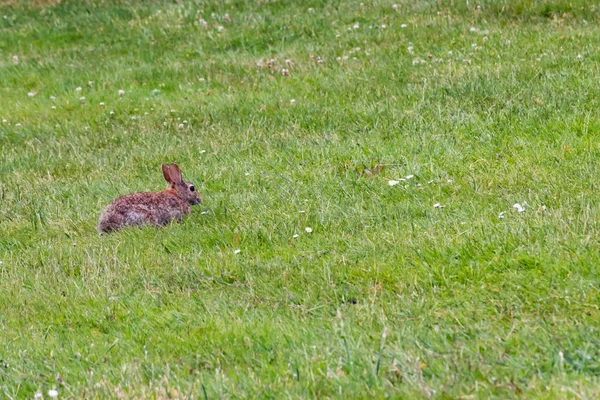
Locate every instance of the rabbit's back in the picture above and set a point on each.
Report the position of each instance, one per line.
(142, 209)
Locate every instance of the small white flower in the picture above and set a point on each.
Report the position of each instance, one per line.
(4, 121)
(288, 62)
(293, 102)
(579, 57)
(102, 104)
(112, 112)
(91, 83)
(52, 98)
(438, 205)
(311, 10)
(15, 59)
(392, 182)
(220, 28)
(285, 72)
(518, 207)
(395, 6)
(155, 91)
(53, 107)
(473, 29)
(202, 151)
(180, 126)
(356, 26)
(121, 92)
(82, 98)
(409, 176)
(403, 26)
(295, 236)
(383, 26)
(38, 395)
(410, 49)
(17, 125)
(52, 393)
(204, 212)
(501, 215)
(31, 94)
(202, 80)
(238, 251)
(308, 230)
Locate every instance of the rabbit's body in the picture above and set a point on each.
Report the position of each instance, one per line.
(151, 208)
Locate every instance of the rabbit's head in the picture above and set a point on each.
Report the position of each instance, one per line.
(185, 190)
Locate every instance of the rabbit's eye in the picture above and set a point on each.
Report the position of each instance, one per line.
(192, 188)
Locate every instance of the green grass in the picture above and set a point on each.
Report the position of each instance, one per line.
(474, 305)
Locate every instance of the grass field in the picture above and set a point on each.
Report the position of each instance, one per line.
(419, 278)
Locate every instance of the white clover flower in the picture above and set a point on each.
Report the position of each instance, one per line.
(392, 182)
(101, 104)
(501, 215)
(52, 98)
(31, 94)
(112, 112)
(518, 207)
(356, 26)
(438, 205)
(285, 72)
(473, 29)
(18, 125)
(15, 59)
(403, 26)
(238, 251)
(293, 102)
(295, 236)
(395, 6)
(78, 89)
(383, 26)
(579, 57)
(52, 393)
(180, 126)
(409, 176)
(121, 93)
(38, 395)
(4, 121)
(311, 10)
(308, 230)
(220, 28)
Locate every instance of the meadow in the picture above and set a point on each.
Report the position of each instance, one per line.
(400, 199)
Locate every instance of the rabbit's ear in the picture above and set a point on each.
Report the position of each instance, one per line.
(167, 173)
(175, 174)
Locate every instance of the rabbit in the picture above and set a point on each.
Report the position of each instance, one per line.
(151, 208)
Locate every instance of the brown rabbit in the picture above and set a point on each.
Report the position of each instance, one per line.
(151, 208)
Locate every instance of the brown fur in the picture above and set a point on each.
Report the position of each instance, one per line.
(151, 208)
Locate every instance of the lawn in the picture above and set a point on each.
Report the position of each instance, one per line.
(399, 200)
